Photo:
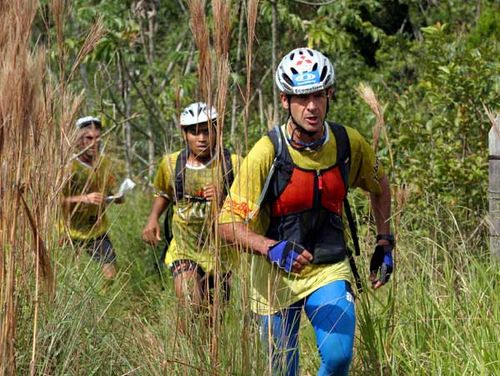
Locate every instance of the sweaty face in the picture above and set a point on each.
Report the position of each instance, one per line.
(200, 139)
(89, 140)
(308, 110)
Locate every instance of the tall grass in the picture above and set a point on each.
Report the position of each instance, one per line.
(36, 113)
(442, 319)
(445, 318)
(446, 309)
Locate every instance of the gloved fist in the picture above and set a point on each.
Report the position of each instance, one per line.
(381, 264)
(283, 254)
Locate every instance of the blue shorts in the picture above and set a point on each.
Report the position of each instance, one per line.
(331, 311)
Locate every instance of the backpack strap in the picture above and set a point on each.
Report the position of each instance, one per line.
(180, 168)
(344, 162)
(343, 151)
(180, 173)
(227, 170)
(277, 141)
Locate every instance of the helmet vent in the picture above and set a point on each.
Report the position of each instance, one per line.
(324, 71)
(291, 56)
(287, 79)
(294, 71)
(315, 67)
(310, 53)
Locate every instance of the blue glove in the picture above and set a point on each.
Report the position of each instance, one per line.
(382, 262)
(283, 254)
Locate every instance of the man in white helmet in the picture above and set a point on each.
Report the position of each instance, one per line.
(193, 180)
(286, 208)
(84, 202)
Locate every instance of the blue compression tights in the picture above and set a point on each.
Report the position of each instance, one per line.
(330, 309)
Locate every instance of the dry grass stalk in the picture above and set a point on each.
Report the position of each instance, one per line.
(368, 95)
(494, 119)
(94, 36)
(35, 133)
(221, 37)
(200, 30)
(252, 10)
(222, 27)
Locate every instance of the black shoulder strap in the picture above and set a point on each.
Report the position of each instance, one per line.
(343, 151)
(344, 162)
(277, 141)
(227, 171)
(180, 172)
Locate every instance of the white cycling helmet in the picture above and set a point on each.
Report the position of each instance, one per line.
(88, 120)
(197, 113)
(304, 71)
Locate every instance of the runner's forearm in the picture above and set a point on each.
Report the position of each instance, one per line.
(238, 233)
(159, 206)
(382, 207)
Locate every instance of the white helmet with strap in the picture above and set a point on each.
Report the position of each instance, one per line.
(197, 113)
(304, 71)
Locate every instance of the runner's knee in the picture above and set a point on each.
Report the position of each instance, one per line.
(335, 361)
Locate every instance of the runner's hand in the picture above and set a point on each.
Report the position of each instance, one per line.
(151, 232)
(381, 265)
(210, 192)
(289, 256)
(94, 198)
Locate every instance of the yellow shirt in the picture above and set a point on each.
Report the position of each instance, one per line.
(193, 221)
(87, 221)
(273, 289)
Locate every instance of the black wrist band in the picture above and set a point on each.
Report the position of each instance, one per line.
(388, 237)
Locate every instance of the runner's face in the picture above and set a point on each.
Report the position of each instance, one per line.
(90, 137)
(200, 140)
(308, 110)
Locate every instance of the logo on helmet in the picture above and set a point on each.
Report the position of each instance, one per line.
(306, 78)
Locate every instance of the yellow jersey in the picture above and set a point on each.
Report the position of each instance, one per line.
(87, 221)
(271, 288)
(193, 221)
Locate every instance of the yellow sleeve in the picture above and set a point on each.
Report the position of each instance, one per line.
(247, 186)
(163, 181)
(236, 162)
(366, 170)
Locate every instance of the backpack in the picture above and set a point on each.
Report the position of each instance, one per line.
(281, 170)
(180, 168)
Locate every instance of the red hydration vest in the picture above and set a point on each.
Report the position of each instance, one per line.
(306, 205)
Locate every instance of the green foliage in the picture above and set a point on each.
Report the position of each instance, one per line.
(438, 124)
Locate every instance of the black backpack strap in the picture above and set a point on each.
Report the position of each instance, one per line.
(343, 151)
(227, 171)
(354, 236)
(344, 162)
(180, 172)
(277, 141)
(167, 229)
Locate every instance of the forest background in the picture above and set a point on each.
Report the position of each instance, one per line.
(433, 66)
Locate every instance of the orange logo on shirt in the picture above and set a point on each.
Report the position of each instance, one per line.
(240, 209)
